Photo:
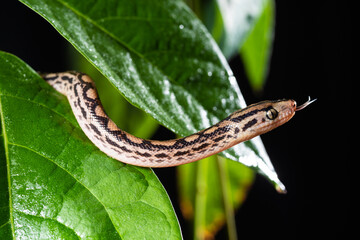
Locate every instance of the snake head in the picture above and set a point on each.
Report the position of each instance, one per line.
(279, 112)
(262, 117)
(276, 113)
(267, 115)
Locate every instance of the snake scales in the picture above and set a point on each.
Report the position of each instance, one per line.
(240, 126)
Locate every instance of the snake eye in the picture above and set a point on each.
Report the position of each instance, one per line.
(271, 114)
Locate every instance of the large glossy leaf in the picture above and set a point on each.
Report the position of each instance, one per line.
(162, 59)
(55, 184)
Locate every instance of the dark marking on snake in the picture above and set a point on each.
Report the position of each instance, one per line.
(95, 129)
(83, 112)
(125, 149)
(66, 78)
(51, 78)
(161, 155)
(249, 124)
(180, 153)
(219, 138)
(108, 140)
(249, 114)
(111, 142)
(236, 130)
(201, 147)
(75, 90)
(143, 154)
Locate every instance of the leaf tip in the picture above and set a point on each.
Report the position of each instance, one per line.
(281, 189)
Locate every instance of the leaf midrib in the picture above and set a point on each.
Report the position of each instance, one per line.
(2, 119)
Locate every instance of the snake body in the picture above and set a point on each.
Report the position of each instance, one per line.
(240, 126)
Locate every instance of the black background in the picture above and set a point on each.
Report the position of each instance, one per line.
(312, 56)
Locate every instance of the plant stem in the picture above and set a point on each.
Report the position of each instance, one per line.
(200, 199)
(227, 201)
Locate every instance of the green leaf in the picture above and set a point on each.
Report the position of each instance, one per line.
(256, 51)
(234, 19)
(247, 27)
(219, 182)
(162, 59)
(55, 184)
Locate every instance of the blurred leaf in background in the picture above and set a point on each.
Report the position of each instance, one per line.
(242, 26)
(257, 49)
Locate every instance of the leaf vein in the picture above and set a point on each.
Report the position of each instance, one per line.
(45, 106)
(135, 18)
(8, 222)
(45, 218)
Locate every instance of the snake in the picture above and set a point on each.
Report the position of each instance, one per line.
(240, 126)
